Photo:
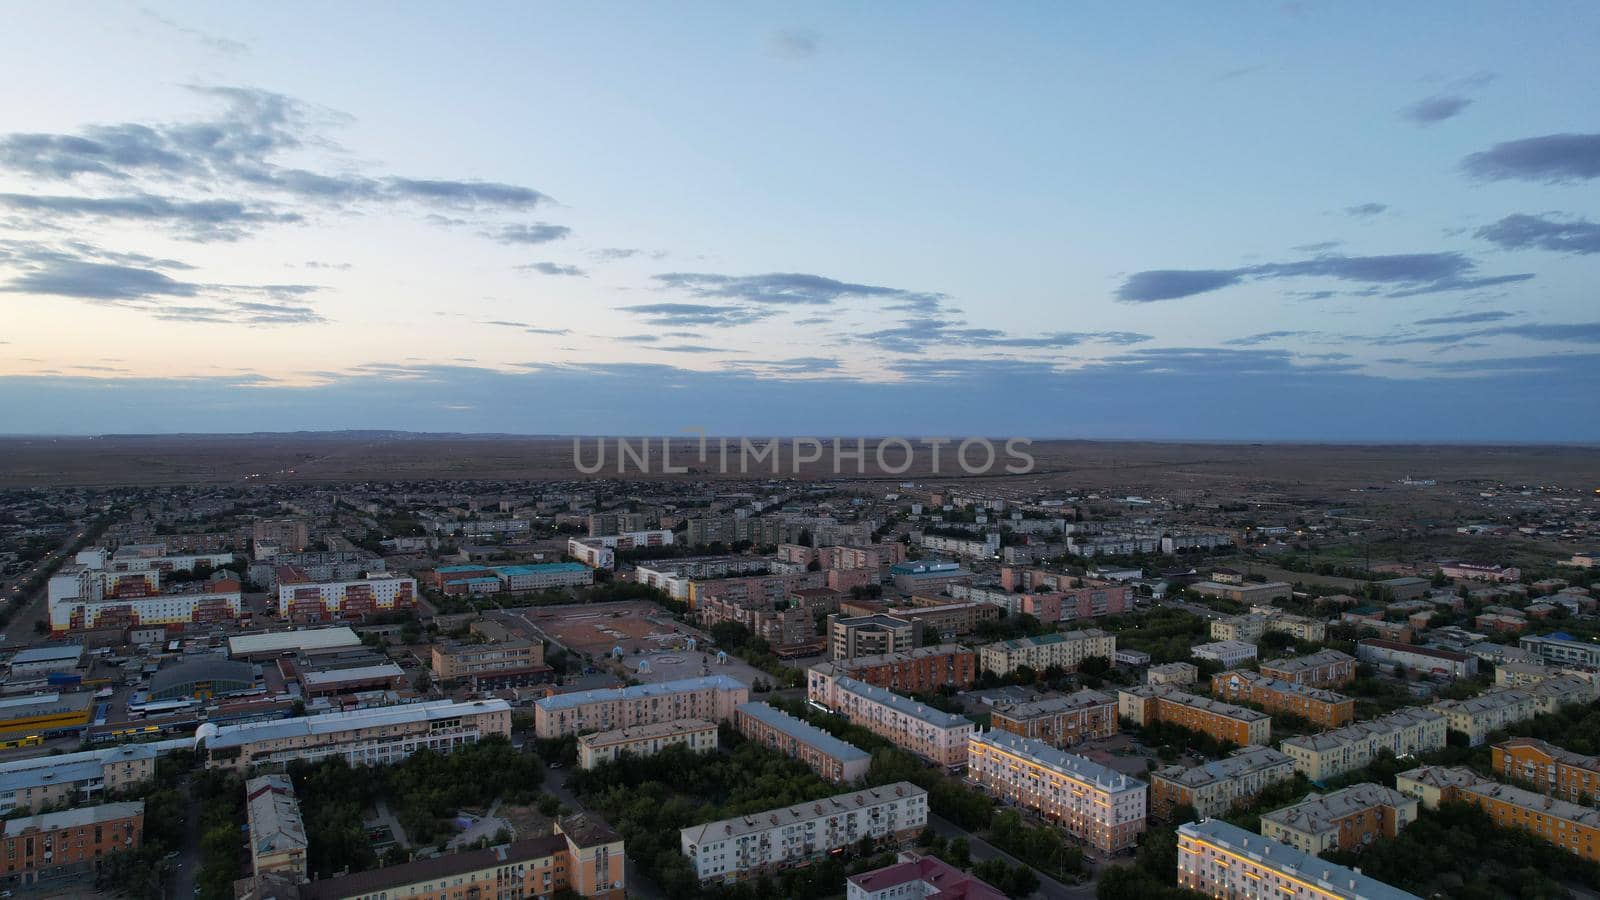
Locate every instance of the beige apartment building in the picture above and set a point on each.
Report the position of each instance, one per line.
(1066, 649)
(1098, 805)
(1477, 716)
(930, 733)
(1229, 863)
(1175, 674)
(277, 833)
(698, 735)
(498, 664)
(712, 698)
(1214, 788)
(1348, 819)
(1332, 753)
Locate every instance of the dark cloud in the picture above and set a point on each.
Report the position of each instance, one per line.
(693, 348)
(639, 338)
(505, 323)
(1577, 332)
(1366, 210)
(1551, 158)
(1194, 361)
(1522, 231)
(795, 43)
(1251, 340)
(1404, 275)
(136, 283)
(1172, 284)
(551, 331)
(693, 314)
(1435, 109)
(236, 150)
(199, 219)
(787, 288)
(538, 233)
(1493, 315)
(550, 268)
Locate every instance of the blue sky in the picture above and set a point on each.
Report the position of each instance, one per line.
(1298, 221)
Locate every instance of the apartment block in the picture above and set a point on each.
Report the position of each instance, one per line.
(1229, 863)
(1175, 674)
(923, 670)
(712, 698)
(828, 756)
(950, 619)
(698, 735)
(756, 844)
(1477, 716)
(1323, 669)
(870, 635)
(70, 779)
(1066, 650)
(930, 733)
(1223, 721)
(1228, 653)
(1348, 819)
(51, 845)
(303, 600)
(1548, 768)
(1248, 628)
(1332, 753)
(1215, 787)
(364, 737)
(583, 855)
(1100, 806)
(277, 832)
(1568, 825)
(1062, 721)
(1316, 705)
(1248, 593)
(491, 666)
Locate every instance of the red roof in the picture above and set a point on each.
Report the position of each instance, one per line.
(949, 882)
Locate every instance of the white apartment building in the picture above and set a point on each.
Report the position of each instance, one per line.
(752, 845)
(323, 599)
(1477, 716)
(85, 598)
(1099, 805)
(1231, 654)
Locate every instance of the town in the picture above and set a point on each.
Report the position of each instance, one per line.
(803, 688)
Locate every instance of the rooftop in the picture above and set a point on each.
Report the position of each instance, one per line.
(753, 823)
(1240, 762)
(346, 720)
(1320, 812)
(541, 568)
(947, 881)
(905, 705)
(305, 639)
(72, 818)
(638, 691)
(803, 731)
(1078, 768)
(47, 653)
(1334, 880)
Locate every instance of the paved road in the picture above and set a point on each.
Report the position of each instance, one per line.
(188, 861)
(1049, 888)
(20, 629)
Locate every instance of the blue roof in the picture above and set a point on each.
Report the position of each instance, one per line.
(541, 568)
(579, 698)
(476, 579)
(446, 570)
(935, 717)
(803, 731)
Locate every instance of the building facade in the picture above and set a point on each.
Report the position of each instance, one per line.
(1100, 806)
(302, 600)
(712, 698)
(1215, 787)
(1316, 705)
(1548, 768)
(42, 847)
(933, 734)
(1323, 669)
(1063, 721)
(1066, 650)
(1348, 819)
(698, 735)
(1145, 705)
(760, 843)
(372, 736)
(1327, 755)
(775, 729)
(924, 670)
(1229, 863)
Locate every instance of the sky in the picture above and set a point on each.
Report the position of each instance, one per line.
(1298, 221)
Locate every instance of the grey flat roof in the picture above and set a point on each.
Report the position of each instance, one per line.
(1071, 765)
(803, 731)
(936, 717)
(580, 698)
(48, 653)
(336, 722)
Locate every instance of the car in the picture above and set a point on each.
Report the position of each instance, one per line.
(555, 765)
